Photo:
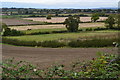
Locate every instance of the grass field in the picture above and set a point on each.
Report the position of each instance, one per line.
(59, 36)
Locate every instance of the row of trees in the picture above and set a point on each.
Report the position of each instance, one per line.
(72, 22)
(23, 11)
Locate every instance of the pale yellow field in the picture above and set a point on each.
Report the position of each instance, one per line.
(81, 25)
(62, 19)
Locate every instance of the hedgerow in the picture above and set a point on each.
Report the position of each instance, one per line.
(102, 42)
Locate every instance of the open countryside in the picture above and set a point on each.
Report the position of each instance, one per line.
(60, 43)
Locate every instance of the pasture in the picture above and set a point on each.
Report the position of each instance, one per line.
(69, 36)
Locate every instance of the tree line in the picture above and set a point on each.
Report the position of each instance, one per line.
(23, 11)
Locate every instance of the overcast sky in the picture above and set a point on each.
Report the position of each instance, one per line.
(61, 3)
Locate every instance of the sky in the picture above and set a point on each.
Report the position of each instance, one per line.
(60, 3)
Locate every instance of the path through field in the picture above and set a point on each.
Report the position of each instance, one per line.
(44, 57)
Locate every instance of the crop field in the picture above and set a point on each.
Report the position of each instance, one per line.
(16, 21)
(62, 19)
(57, 26)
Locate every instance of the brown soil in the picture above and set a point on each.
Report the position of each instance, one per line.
(44, 57)
(14, 21)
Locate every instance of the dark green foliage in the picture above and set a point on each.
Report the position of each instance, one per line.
(92, 43)
(20, 43)
(110, 22)
(48, 16)
(72, 23)
(13, 32)
(118, 21)
(7, 32)
(53, 44)
(95, 17)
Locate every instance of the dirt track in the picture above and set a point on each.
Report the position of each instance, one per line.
(44, 57)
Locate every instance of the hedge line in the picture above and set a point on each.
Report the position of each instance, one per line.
(56, 44)
(64, 31)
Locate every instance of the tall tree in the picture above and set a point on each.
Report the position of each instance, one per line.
(95, 17)
(110, 22)
(72, 23)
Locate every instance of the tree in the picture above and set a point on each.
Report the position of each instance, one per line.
(117, 20)
(3, 26)
(94, 17)
(48, 16)
(72, 23)
(110, 22)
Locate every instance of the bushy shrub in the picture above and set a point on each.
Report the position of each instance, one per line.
(48, 16)
(89, 29)
(20, 43)
(92, 43)
(104, 66)
(13, 32)
(72, 43)
(53, 44)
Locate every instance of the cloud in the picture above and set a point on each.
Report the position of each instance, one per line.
(69, 3)
(56, 1)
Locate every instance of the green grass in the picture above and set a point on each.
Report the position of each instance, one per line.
(42, 30)
(54, 29)
(48, 37)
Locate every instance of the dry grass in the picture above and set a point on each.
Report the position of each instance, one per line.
(62, 19)
(58, 26)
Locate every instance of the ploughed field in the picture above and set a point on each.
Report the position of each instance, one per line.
(45, 57)
(62, 19)
(16, 21)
